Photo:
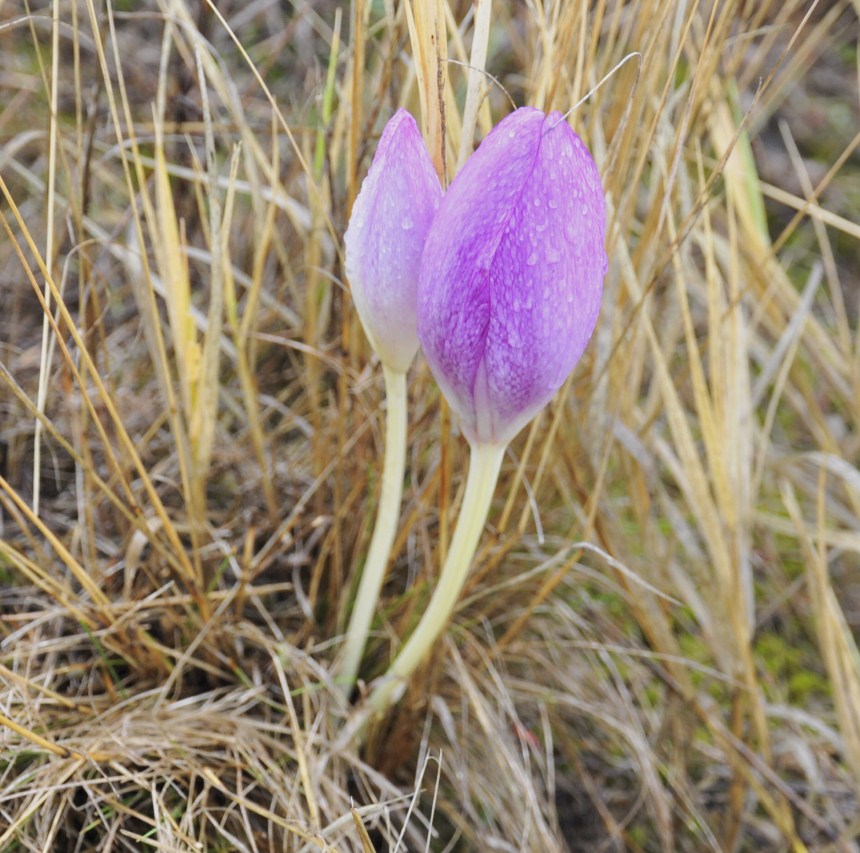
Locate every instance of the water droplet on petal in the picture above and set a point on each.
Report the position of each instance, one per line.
(533, 258)
(406, 223)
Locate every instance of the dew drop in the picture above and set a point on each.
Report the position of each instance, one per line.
(552, 203)
(532, 259)
(406, 223)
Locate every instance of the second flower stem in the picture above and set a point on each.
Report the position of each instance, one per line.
(484, 465)
(387, 516)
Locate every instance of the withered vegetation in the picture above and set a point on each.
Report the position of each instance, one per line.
(658, 645)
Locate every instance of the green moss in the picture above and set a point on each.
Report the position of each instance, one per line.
(789, 667)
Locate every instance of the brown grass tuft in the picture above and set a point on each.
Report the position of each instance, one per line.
(658, 645)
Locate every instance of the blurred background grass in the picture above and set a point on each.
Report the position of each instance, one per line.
(657, 648)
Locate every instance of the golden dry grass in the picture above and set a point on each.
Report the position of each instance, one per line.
(657, 648)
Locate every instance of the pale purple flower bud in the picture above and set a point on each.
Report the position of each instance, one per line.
(512, 274)
(386, 233)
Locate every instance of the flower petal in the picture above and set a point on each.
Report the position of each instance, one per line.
(383, 243)
(512, 273)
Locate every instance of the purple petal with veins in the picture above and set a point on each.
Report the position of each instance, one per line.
(383, 243)
(512, 273)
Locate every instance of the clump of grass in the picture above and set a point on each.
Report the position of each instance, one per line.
(190, 441)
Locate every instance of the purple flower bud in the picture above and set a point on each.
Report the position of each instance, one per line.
(512, 274)
(386, 233)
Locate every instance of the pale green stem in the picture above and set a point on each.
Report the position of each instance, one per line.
(484, 466)
(383, 534)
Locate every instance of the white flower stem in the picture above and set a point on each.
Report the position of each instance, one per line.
(484, 466)
(387, 516)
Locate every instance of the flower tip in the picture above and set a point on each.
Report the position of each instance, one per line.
(402, 122)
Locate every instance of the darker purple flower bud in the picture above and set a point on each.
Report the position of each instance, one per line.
(512, 274)
(386, 233)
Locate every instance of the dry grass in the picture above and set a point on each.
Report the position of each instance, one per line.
(657, 650)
